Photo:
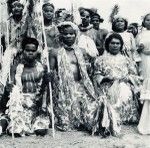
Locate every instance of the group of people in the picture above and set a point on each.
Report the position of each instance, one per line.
(99, 80)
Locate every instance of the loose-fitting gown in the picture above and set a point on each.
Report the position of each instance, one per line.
(119, 104)
(24, 106)
(76, 104)
(144, 124)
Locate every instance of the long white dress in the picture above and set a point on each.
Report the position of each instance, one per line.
(144, 124)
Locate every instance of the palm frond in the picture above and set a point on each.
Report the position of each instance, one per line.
(114, 12)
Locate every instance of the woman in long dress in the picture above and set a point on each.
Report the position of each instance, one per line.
(75, 103)
(116, 82)
(27, 106)
(143, 44)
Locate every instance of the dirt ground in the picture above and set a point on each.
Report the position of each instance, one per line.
(130, 138)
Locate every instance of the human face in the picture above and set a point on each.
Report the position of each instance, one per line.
(132, 29)
(85, 18)
(68, 36)
(30, 52)
(120, 24)
(114, 46)
(48, 12)
(147, 22)
(95, 21)
(61, 17)
(17, 8)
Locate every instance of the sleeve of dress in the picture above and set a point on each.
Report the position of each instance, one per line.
(133, 45)
(98, 70)
(133, 77)
(87, 43)
(136, 55)
(98, 66)
(137, 40)
(131, 67)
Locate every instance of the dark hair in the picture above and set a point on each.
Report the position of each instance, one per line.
(59, 11)
(9, 5)
(113, 36)
(95, 15)
(82, 10)
(62, 28)
(29, 40)
(134, 24)
(143, 22)
(115, 29)
(48, 4)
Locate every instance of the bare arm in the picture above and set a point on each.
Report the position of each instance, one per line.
(53, 59)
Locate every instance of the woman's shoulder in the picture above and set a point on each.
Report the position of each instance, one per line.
(144, 32)
(143, 35)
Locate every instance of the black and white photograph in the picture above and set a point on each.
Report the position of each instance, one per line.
(74, 74)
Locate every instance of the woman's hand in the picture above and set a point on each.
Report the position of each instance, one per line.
(49, 76)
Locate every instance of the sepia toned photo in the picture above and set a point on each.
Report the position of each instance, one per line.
(74, 74)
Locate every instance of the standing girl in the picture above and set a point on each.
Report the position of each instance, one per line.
(143, 43)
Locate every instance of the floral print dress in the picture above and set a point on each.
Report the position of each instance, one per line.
(76, 104)
(118, 85)
(24, 106)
